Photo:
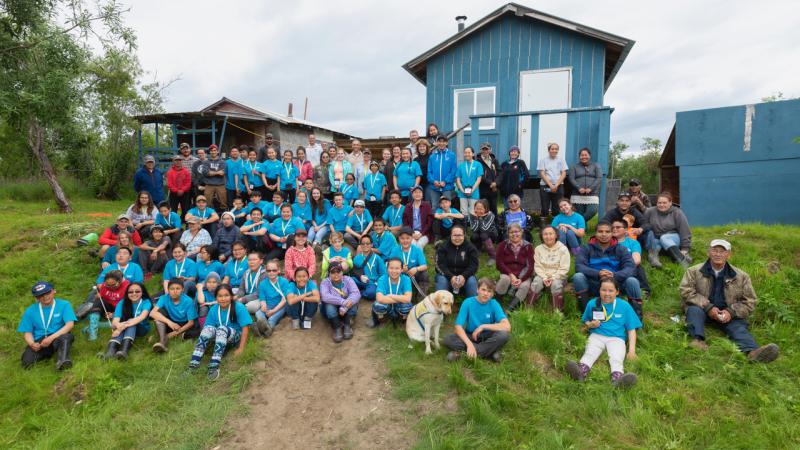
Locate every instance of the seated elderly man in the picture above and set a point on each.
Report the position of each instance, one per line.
(719, 293)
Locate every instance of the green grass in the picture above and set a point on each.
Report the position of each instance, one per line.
(684, 399)
(141, 403)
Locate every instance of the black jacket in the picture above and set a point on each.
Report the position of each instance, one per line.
(461, 260)
(638, 219)
(512, 177)
(490, 171)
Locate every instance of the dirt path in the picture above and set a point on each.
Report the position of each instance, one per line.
(317, 394)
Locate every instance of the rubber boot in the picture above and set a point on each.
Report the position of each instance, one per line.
(336, 324)
(489, 246)
(64, 362)
(558, 302)
(375, 322)
(675, 253)
(515, 301)
(94, 324)
(652, 256)
(111, 350)
(126, 347)
(161, 345)
(347, 331)
(583, 300)
(636, 304)
(533, 297)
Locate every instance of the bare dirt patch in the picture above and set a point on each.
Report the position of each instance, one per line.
(317, 394)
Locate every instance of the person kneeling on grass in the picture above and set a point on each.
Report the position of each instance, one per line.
(46, 326)
(228, 325)
(481, 328)
(340, 297)
(175, 314)
(393, 298)
(270, 307)
(722, 294)
(130, 321)
(303, 299)
(609, 319)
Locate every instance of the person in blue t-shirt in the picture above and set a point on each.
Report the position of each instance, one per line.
(180, 268)
(303, 299)
(407, 173)
(468, 179)
(393, 215)
(445, 217)
(482, 328)
(281, 232)
(339, 213)
(130, 321)
(368, 267)
(393, 297)
(302, 208)
(319, 225)
(255, 202)
(374, 189)
(235, 175)
(359, 224)
(571, 226)
(170, 221)
(255, 231)
(228, 325)
(175, 314)
(611, 320)
(46, 327)
(271, 168)
(272, 293)
(289, 175)
(413, 259)
(619, 230)
(130, 270)
(383, 242)
(236, 265)
(208, 217)
(349, 189)
(207, 262)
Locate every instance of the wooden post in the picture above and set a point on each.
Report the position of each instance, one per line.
(36, 143)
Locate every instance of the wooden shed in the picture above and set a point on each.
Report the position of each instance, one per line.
(736, 164)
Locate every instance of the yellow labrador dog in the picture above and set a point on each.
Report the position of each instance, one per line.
(426, 318)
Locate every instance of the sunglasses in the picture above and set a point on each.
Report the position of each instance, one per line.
(272, 270)
(134, 292)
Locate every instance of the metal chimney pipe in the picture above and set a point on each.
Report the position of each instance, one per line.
(461, 20)
(290, 110)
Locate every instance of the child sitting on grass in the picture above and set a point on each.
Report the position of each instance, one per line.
(609, 319)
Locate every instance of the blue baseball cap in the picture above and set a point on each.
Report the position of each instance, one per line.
(41, 288)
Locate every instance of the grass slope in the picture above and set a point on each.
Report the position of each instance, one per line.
(685, 399)
(141, 403)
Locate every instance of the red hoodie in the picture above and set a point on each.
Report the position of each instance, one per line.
(113, 296)
(179, 179)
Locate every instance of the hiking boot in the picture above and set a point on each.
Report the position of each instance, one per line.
(620, 380)
(213, 373)
(83, 310)
(111, 350)
(453, 356)
(158, 347)
(338, 337)
(347, 333)
(577, 370)
(496, 357)
(700, 344)
(764, 354)
(295, 324)
(652, 257)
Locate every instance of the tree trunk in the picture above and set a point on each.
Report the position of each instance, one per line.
(36, 143)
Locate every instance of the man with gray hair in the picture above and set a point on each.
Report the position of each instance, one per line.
(719, 293)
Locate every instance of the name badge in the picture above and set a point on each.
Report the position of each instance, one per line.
(598, 315)
(372, 198)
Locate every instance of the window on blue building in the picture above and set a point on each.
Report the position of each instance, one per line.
(473, 101)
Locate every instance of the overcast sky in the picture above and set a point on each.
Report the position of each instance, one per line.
(346, 56)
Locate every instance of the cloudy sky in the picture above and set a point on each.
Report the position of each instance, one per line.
(346, 56)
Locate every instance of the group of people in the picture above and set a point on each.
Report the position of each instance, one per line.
(222, 276)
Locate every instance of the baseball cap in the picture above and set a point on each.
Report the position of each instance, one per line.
(359, 202)
(200, 197)
(268, 135)
(406, 230)
(634, 182)
(721, 243)
(123, 216)
(335, 267)
(415, 188)
(444, 197)
(441, 137)
(624, 194)
(40, 288)
(192, 220)
(156, 227)
(184, 145)
(212, 146)
(486, 145)
(149, 158)
(301, 232)
(177, 157)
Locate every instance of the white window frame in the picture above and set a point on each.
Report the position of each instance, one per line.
(474, 91)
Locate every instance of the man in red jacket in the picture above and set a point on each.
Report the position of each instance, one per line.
(179, 183)
(109, 237)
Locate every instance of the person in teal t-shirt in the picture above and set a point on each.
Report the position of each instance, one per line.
(407, 173)
(481, 328)
(468, 179)
(611, 320)
(393, 296)
(339, 213)
(46, 326)
(358, 224)
(175, 315)
(289, 175)
(375, 185)
(130, 321)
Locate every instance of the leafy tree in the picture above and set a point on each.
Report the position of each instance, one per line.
(642, 165)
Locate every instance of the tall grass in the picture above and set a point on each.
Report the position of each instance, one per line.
(684, 399)
(38, 190)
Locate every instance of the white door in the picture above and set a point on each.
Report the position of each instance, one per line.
(542, 90)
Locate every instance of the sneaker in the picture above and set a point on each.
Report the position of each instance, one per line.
(159, 348)
(620, 380)
(496, 357)
(213, 373)
(764, 354)
(453, 356)
(699, 344)
(577, 370)
(295, 324)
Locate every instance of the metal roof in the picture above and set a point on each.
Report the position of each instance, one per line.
(617, 47)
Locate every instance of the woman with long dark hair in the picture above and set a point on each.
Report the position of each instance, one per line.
(130, 321)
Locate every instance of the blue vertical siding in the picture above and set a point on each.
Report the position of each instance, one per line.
(496, 55)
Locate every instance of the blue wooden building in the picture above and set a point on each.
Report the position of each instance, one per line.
(735, 164)
(526, 78)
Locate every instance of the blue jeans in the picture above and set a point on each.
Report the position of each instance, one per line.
(470, 288)
(318, 236)
(308, 309)
(666, 241)
(368, 290)
(570, 239)
(433, 195)
(273, 321)
(587, 211)
(141, 329)
(591, 285)
(394, 310)
(736, 329)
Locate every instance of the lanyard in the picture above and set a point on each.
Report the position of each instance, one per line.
(227, 318)
(283, 227)
(406, 257)
(252, 167)
(346, 188)
(612, 311)
(305, 290)
(340, 291)
(49, 319)
(276, 212)
(123, 270)
(396, 291)
(205, 213)
(372, 185)
(288, 170)
(396, 213)
(360, 222)
(277, 288)
(369, 266)
(251, 282)
(138, 307)
(236, 267)
(468, 169)
(179, 270)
